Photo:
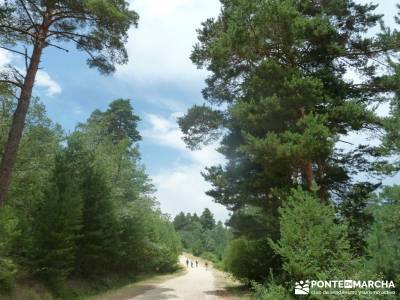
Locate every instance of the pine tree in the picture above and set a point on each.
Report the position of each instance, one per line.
(98, 242)
(384, 237)
(279, 96)
(113, 135)
(98, 28)
(312, 245)
(180, 221)
(34, 175)
(207, 220)
(57, 226)
(121, 122)
(354, 212)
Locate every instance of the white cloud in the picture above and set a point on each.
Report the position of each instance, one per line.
(182, 187)
(166, 132)
(43, 80)
(5, 58)
(162, 8)
(160, 48)
(159, 52)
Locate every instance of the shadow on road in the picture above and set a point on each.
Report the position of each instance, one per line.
(160, 293)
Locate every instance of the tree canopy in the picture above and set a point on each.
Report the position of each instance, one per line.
(97, 27)
(81, 205)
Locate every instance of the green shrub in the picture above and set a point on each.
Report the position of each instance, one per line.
(210, 256)
(383, 248)
(312, 244)
(8, 271)
(250, 259)
(270, 292)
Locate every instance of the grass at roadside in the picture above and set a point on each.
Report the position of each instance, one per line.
(230, 287)
(143, 284)
(100, 289)
(29, 290)
(114, 288)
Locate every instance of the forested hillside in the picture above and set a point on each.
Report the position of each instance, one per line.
(296, 94)
(80, 205)
(75, 207)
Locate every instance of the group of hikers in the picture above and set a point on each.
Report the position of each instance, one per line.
(195, 262)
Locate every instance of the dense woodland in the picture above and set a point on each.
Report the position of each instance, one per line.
(295, 96)
(80, 205)
(203, 236)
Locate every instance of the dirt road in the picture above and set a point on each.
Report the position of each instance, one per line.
(191, 284)
(197, 284)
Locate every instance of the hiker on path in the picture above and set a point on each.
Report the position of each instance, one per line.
(206, 265)
(197, 263)
(191, 263)
(187, 263)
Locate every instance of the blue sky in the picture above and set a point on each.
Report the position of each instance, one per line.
(162, 84)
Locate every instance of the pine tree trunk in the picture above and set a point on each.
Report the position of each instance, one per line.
(323, 190)
(308, 174)
(307, 165)
(18, 122)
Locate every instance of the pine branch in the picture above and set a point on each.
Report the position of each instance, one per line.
(26, 59)
(56, 46)
(29, 15)
(18, 73)
(52, 33)
(81, 45)
(71, 15)
(35, 6)
(23, 31)
(15, 51)
(17, 84)
(346, 142)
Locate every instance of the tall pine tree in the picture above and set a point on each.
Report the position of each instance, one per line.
(280, 96)
(57, 226)
(98, 28)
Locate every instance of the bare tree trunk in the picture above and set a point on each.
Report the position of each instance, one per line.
(18, 122)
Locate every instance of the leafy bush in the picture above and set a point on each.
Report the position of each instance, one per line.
(250, 259)
(8, 271)
(384, 236)
(210, 256)
(312, 244)
(270, 292)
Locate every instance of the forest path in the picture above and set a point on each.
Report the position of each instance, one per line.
(195, 284)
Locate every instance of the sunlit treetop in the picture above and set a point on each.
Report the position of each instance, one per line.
(97, 27)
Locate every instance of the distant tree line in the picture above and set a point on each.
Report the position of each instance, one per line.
(202, 236)
(80, 206)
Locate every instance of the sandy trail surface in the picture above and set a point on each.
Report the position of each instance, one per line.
(196, 284)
